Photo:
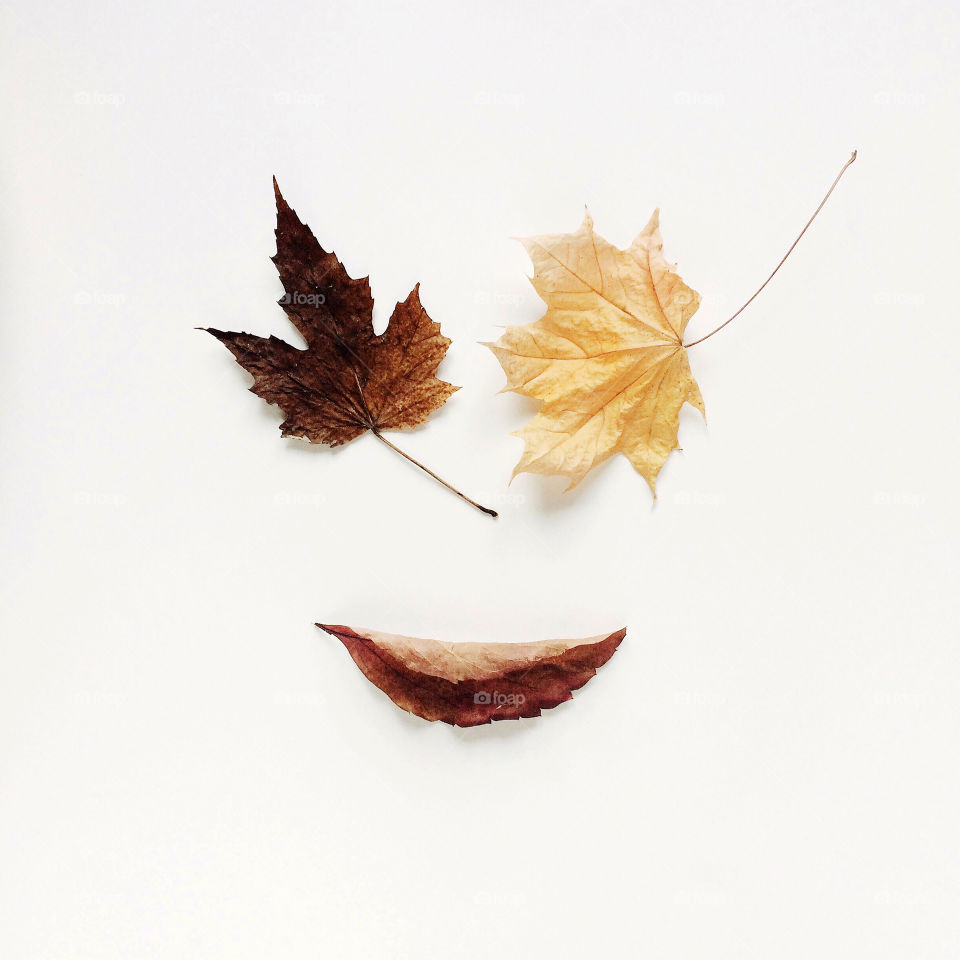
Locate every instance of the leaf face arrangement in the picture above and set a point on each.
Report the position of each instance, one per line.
(607, 358)
(468, 684)
(607, 362)
(348, 380)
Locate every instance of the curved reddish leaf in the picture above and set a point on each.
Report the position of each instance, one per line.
(467, 684)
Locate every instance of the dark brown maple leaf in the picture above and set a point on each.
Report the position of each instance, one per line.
(467, 684)
(348, 380)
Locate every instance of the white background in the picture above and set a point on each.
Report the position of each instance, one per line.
(767, 768)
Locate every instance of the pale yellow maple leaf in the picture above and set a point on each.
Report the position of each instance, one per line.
(607, 359)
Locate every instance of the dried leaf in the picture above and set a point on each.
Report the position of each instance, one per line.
(467, 684)
(348, 380)
(607, 359)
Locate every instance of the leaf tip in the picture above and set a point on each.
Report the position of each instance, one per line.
(281, 203)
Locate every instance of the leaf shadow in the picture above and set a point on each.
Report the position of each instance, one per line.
(555, 496)
(504, 729)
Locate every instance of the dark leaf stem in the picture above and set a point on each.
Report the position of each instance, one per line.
(406, 456)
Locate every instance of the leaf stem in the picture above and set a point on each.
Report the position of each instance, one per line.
(406, 456)
(853, 156)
